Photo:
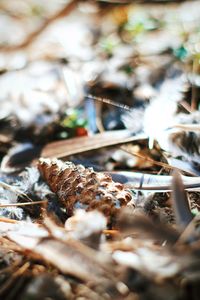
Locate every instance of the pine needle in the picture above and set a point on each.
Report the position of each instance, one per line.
(146, 158)
(23, 203)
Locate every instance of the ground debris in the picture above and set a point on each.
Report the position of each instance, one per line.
(113, 89)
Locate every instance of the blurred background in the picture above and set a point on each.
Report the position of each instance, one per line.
(59, 59)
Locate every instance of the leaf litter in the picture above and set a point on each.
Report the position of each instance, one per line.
(112, 89)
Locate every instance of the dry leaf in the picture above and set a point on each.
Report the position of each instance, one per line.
(68, 147)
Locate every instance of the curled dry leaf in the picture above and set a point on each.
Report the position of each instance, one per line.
(80, 187)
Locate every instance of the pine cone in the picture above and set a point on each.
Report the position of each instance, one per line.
(80, 187)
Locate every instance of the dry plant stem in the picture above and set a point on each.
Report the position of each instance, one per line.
(66, 10)
(24, 203)
(108, 101)
(6, 220)
(158, 163)
(185, 105)
(21, 270)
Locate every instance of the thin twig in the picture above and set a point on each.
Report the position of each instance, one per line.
(146, 158)
(185, 105)
(23, 203)
(6, 220)
(66, 10)
(111, 102)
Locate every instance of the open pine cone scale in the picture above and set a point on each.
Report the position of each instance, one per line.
(80, 187)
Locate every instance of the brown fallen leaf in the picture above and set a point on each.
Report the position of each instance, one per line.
(76, 145)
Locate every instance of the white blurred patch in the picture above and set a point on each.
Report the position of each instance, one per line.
(83, 223)
(147, 260)
(160, 114)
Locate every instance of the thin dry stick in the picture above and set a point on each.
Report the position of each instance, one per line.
(66, 10)
(158, 163)
(185, 105)
(23, 203)
(108, 101)
(99, 108)
(6, 220)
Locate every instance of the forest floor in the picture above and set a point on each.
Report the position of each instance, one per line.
(99, 150)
